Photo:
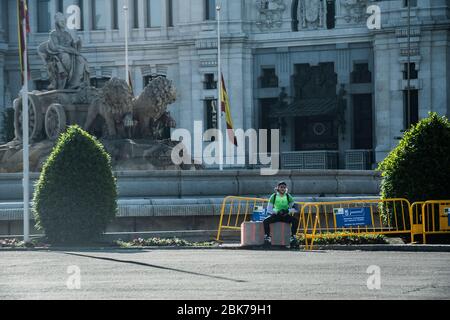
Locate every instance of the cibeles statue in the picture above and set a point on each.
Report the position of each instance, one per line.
(67, 68)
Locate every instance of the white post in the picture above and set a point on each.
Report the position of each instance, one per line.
(25, 140)
(219, 91)
(408, 112)
(125, 8)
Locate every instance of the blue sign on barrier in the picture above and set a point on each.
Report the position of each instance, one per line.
(259, 215)
(352, 217)
(447, 212)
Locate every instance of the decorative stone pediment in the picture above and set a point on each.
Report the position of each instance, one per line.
(270, 13)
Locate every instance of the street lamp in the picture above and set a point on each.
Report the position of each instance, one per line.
(409, 65)
(125, 9)
(219, 91)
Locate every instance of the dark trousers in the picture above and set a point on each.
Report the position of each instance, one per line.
(280, 217)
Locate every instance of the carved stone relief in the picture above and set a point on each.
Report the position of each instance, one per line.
(354, 10)
(270, 13)
(311, 14)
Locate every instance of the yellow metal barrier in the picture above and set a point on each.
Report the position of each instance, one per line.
(416, 216)
(435, 217)
(236, 210)
(387, 216)
(319, 219)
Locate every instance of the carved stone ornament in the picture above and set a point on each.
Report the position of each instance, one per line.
(354, 10)
(311, 14)
(270, 13)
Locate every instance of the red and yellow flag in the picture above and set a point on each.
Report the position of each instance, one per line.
(225, 107)
(130, 84)
(22, 13)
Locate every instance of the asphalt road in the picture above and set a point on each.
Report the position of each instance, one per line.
(224, 274)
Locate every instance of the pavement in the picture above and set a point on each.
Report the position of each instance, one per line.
(218, 274)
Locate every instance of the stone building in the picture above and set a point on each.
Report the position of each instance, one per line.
(316, 69)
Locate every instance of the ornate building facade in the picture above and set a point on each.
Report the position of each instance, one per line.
(336, 88)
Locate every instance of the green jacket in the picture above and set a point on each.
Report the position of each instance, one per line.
(278, 203)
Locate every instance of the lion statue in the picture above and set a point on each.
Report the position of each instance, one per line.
(152, 103)
(114, 103)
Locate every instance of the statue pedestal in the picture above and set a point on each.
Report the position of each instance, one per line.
(126, 155)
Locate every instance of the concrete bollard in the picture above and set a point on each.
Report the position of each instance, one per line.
(252, 233)
(280, 232)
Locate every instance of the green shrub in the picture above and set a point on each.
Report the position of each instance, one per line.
(344, 239)
(75, 196)
(158, 242)
(7, 118)
(418, 169)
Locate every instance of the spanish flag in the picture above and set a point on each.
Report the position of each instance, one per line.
(22, 14)
(225, 107)
(130, 84)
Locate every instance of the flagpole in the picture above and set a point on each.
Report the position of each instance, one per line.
(127, 77)
(219, 91)
(25, 137)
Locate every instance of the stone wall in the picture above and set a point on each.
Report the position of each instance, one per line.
(213, 183)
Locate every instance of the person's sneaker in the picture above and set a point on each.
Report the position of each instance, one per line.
(293, 240)
(267, 239)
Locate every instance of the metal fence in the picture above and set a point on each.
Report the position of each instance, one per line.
(346, 218)
(328, 219)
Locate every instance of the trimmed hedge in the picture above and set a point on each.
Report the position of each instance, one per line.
(345, 239)
(418, 169)
(162, 242)
(75, 197)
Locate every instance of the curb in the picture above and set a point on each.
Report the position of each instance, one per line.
(401, 248)
(377, 247)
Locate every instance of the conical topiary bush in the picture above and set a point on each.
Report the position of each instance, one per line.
(76, 195)
(418, 169)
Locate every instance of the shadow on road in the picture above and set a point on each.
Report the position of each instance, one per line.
(154, 266)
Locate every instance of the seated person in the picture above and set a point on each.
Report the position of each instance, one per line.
(281, 209)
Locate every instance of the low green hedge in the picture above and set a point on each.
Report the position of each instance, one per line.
(345, 239)
(162, 242)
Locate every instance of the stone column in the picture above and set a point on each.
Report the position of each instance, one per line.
(121, 17)
(282, 71)
(3, 17)
(142, 15)
(382, 97)
(164, 17)
(32, 12)
(343, 69)
(109, 20)
(182, 7)
(439, 73)
(2, 80)
(52, 8)
(87, 20)
(186, 67)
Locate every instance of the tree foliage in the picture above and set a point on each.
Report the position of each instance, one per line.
(418, 169)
